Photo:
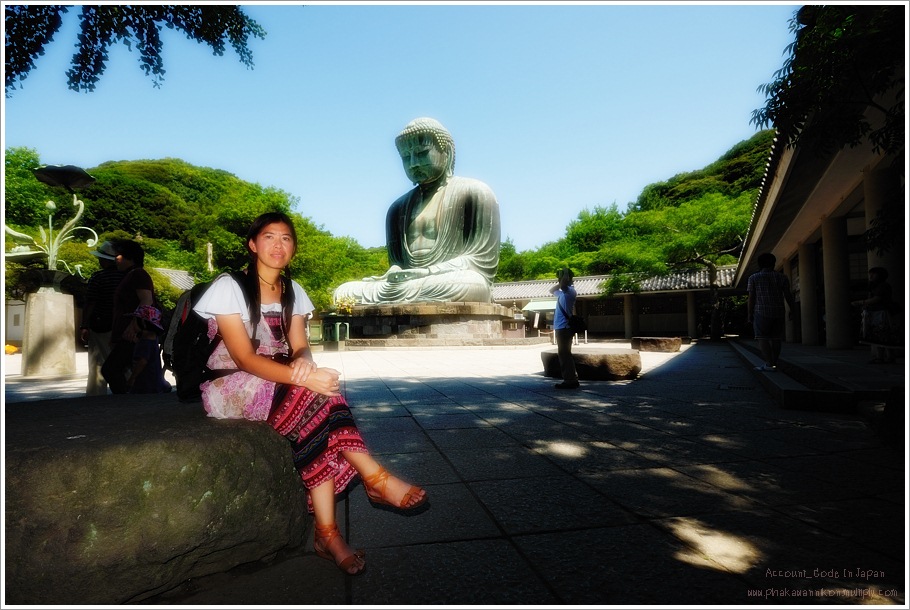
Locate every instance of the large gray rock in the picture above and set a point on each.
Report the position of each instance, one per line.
(656, 344)
(596, 364)
(114, 499)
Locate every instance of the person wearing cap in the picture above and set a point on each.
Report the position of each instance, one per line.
(98, 314)
(134, 290)
(146, 372)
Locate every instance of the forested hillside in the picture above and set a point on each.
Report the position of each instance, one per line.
(176, 209)
(693, 219)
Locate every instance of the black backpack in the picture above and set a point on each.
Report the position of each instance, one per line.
(186, 348)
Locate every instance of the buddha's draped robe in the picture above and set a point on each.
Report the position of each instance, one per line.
(461, 262)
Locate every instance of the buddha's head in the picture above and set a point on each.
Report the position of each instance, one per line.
(427, 150)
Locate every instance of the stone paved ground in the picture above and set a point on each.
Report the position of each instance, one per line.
(689, 485)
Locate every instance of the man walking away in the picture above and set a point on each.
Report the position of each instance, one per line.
(768, 290)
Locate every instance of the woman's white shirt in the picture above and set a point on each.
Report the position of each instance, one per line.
(225, 296)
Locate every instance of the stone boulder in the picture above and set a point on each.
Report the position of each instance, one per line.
(656, 344)
(114, 499)
(607, 364)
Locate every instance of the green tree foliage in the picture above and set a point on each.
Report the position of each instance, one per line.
(703, 232)
(740, 169)
(511, 267)
(24, 196)
(842, 84)
(594, 228)
(176, 209)
(30, 28)
(693, 220)
(842, 62)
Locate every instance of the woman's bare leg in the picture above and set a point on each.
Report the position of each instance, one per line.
(323, 499)
(395, 489)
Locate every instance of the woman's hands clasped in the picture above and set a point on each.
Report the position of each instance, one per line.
(301, 369)
(325, 381)
(304, 372)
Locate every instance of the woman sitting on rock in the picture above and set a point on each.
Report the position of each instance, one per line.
(276, 380)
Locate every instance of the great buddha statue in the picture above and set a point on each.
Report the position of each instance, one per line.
(442, 237)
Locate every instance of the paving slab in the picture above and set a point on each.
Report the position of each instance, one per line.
(688, 485)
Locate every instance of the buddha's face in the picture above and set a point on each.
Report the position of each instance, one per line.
(422, 159)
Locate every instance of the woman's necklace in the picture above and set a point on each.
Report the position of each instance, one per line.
(271, 285)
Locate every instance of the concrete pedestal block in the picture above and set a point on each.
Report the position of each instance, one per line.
(424, 324)
(596, 364)
(49, 340)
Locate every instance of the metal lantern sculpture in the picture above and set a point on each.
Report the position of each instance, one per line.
(71, 178)
(49, 337)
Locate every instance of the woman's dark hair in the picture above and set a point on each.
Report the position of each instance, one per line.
(130, 250)
(252, 275)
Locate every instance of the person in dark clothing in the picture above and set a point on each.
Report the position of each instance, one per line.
(97, 316)
(146, 372)
(768, 291)
(877, 323)
(135, 290)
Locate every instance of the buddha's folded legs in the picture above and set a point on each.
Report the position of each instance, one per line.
(454, 286)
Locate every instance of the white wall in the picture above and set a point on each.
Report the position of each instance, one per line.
(14, 322)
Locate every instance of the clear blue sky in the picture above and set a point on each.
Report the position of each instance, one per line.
(557, 107)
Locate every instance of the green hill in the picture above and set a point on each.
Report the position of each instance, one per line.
(177, 209)
(694, 219)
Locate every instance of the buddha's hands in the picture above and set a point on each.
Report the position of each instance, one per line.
(405, 275)
(396, 275)
(385, 276)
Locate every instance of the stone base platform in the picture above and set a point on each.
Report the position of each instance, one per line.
(423, 325)
(593, 364)
(656, 344)
(355, 344)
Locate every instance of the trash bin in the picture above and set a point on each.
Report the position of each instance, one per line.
(335, 331)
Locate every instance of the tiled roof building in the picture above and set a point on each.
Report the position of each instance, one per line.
(181, 280)
(675, 304)
(590, 285)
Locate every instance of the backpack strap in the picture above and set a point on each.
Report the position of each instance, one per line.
(210, 374)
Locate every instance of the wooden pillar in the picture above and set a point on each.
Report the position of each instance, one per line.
(881, 191)
(630, 315)
(791, 325)
(836, 265)
(808, 295)
(691, 318)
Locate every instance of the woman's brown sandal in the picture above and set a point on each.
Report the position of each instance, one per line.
(323, 535)
(375, 487)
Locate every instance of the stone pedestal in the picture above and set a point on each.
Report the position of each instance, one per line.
(48, 342)
(656, 344)
(423, 324)
(610, 364)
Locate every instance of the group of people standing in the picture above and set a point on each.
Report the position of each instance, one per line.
(122, 324)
